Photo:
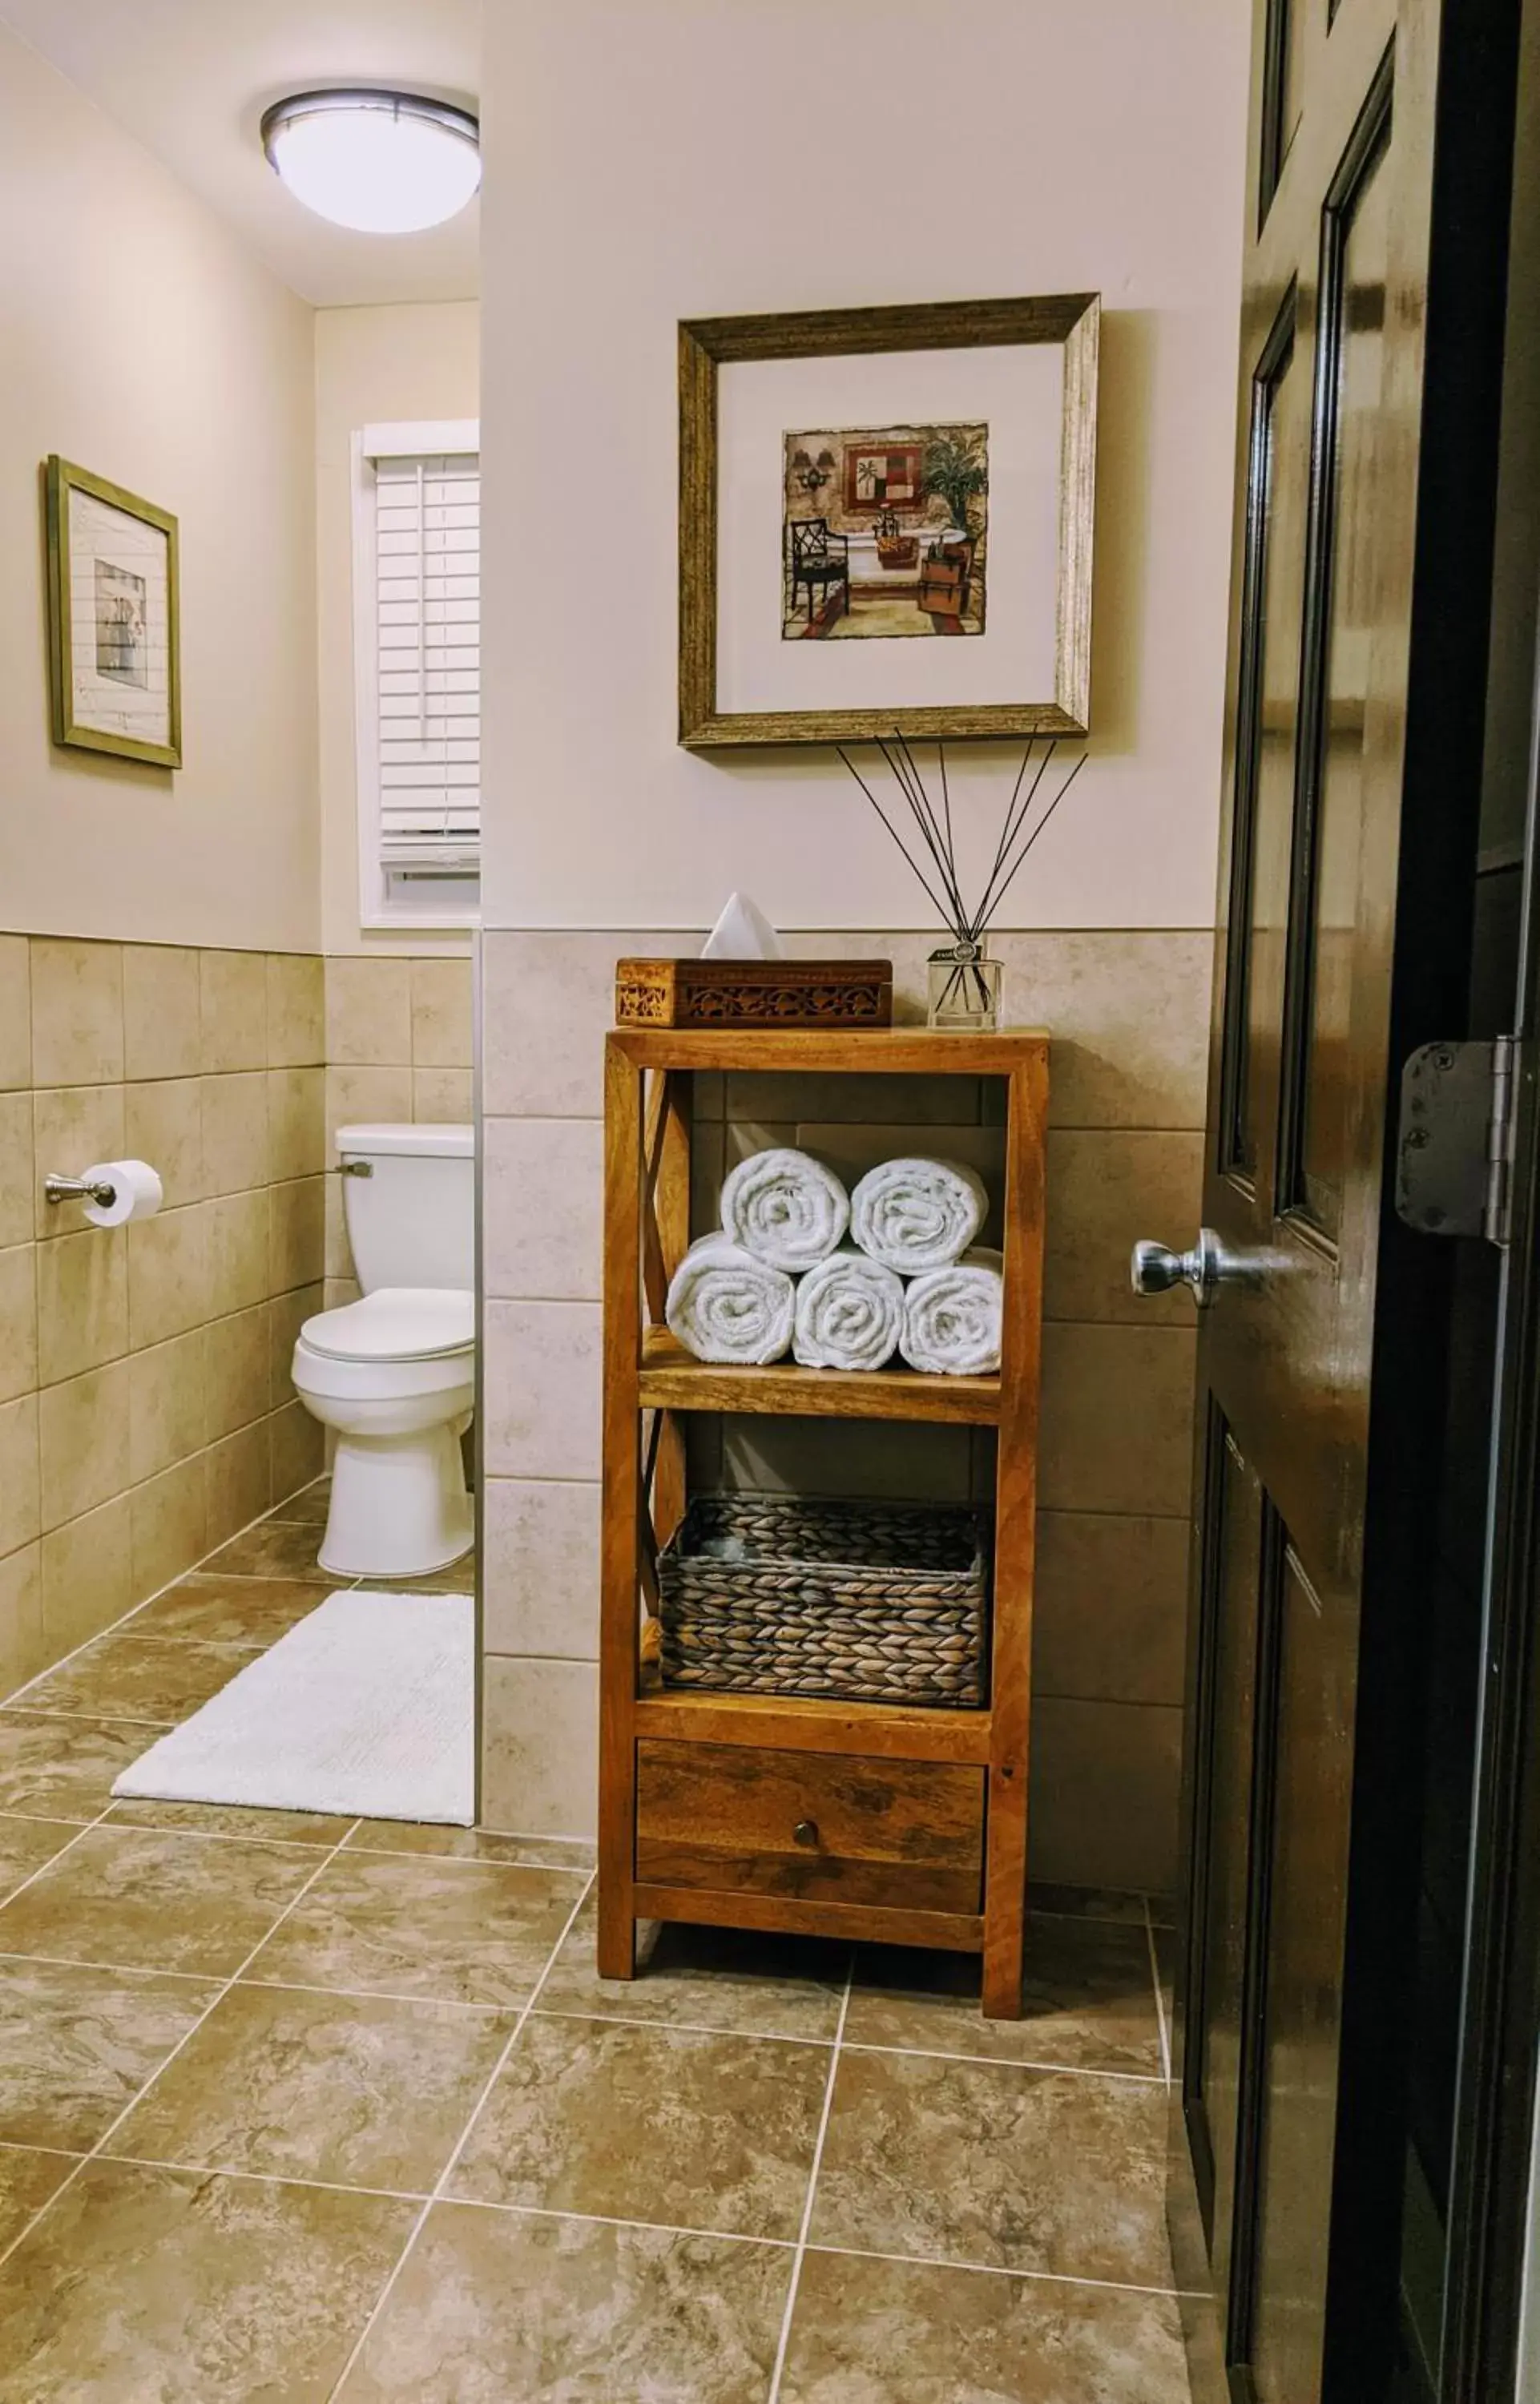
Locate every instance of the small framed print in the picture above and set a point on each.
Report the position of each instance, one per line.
(113, 638)
(885, 522)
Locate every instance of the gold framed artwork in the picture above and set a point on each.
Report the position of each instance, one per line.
(114, 646)
(886, 521)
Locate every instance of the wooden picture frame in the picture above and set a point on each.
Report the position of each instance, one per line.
(1071, 320)
(130, 627)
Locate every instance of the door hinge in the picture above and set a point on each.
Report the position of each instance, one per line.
(1454, 1150)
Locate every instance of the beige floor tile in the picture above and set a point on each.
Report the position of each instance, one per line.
(458, 1931)
(256, 2290)
(26, 1845)
(354, 2091)
(313, 1828)
(1014, 2169)
(249, 1612)
(726, 1979)
(61, 1768)
(137, 1678)
(459, 1577)
(274, 1549)
(866, 2333)
(1088, 1994)
(153, 1899)
(309, 1507)
(77, 2045)
(468, 1845)
(655, 2124)
(27, 2179)
(493, 2307)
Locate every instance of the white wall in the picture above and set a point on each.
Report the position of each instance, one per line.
(665, 158)
(372, 366)
(138, 339)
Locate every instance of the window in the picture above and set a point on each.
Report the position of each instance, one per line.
(418, 652)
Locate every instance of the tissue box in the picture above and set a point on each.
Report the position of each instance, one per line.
(753, 993)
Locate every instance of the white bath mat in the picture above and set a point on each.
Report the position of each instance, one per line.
(366, 1709)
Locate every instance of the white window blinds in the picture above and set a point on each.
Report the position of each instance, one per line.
(428, 644)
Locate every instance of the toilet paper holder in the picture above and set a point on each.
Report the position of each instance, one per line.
(79, 1189)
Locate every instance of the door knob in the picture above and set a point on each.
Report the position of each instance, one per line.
(1155, 1269)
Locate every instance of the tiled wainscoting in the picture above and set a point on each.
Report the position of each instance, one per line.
(145, 1411)
(398, 1048)
(1128, 1013)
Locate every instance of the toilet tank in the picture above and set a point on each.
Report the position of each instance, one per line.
(411, 1220)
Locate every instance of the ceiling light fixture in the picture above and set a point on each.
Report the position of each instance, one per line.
(379, 162)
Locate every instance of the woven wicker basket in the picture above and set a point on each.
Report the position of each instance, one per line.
(874, 1602)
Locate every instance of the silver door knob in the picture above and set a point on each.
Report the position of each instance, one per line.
(1155, 1269)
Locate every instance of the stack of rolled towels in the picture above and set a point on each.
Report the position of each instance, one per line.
(842, 1280)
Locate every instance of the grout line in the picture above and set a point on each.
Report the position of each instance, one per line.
(212, 1836)
(798, 2256)
(442, 2183)
(25, 2145)
(68, 1847)
(998, 2062)
(377, 1995)
(264, 2178)
(685, 2028)
(614, 2220)
(445, 1861)
(998, 2270)
(1160, 1996)
(113, 1969)
(185, 2039)
(47, 1712)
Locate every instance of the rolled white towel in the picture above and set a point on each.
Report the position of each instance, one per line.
(785, 1208)
(952, 1318)
(724, 1305)
(915, 1215)
(849, 1313)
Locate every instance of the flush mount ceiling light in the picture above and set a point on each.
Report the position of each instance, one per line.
(379, 162)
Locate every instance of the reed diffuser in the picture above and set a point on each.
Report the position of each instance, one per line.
(964, 982)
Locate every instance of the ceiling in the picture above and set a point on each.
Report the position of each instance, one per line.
(189, 80)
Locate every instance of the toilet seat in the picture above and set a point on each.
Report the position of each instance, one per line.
(397, 1322)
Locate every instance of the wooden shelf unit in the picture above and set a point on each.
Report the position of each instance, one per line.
(869, 1821)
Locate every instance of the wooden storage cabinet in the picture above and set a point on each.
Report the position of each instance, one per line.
(868, 1820)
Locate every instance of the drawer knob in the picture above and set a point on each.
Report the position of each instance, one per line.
(806, 1832)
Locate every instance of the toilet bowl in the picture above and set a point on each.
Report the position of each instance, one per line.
(393, 1373)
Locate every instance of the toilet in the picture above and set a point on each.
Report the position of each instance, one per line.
(393, 1373)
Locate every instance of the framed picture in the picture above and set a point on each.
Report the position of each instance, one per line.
(113, 642)
(885, 522)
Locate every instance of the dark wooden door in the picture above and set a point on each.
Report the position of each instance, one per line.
(1346, 550)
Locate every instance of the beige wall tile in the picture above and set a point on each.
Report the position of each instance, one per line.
(285, 1315)
(298, 1444)
(169, 1525)
(18, 1319)
(296, 1010)
(164, 1124)
(297, 1254)
(338, 1291)
(233, 1011)
(547, 1001)
(1116, 1425)
(441, 1013)
(83, 1442)
(18, 1207)
(442, 1097)
(82, 1300)
(22, 1650)
(539, 1746)
(1108, 1187)
(237, 1252)
(296, 1122)
(168, 1273)
(236, 1143)
(887, 1461)
(1110, 1622)
(707, 1169)
(369, 1011)
(236, 1371)
(541, 1389)
(73, 1127)
(363, 1096)
(542, 1209)
(167, 1419)
(20, 1513)
(1106, 1787)
(239, 1481)
(540, 1568)
(338, 1250)
(1128, 1012)
(77, 1012)
(15, 1013)
(899, 1101)
(161, 1012)
(88, 1576)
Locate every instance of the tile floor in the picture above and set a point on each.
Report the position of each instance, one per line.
(296, 2109)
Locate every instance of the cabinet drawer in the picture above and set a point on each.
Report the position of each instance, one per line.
(823, 1826)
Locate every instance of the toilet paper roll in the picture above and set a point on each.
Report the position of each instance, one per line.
(136, 1192)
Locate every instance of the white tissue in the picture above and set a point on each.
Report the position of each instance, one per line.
(136, 1192)
(743, 932)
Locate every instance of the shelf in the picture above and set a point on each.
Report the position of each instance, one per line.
(810, 1723)
(914, 1050)
(672, 1379)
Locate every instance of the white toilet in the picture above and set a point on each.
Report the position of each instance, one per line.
(393, 1373)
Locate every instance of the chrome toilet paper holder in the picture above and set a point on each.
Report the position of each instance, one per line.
(79, 1189)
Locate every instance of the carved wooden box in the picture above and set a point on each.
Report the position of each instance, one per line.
(754, 992)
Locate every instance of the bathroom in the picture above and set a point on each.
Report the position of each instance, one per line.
(349, 2047)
